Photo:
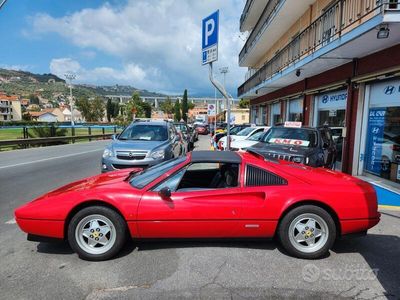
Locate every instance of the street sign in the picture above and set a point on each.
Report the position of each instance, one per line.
(209, 38)
(211, 110)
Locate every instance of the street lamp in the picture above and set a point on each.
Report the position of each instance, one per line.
(70, 77)
(2, 3)
(223, 71)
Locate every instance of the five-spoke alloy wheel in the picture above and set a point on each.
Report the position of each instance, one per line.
(307, 232)
(97, 233)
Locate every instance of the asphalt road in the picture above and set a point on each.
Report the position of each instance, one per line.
(362, 268)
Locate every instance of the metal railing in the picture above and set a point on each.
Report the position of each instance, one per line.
(257, 30)
(339, 17)
(53, 138)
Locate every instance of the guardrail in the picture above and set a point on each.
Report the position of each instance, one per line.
(51, 135)
(49, 140)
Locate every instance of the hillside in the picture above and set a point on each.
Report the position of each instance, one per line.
(51, 86)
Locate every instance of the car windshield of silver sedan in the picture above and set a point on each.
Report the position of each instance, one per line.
(145, 133)
(245, 131)
(291, 136)
(143, 178)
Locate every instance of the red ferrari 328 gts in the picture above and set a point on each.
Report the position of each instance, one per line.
(206, 194)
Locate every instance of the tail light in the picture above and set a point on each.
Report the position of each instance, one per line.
(396, 147)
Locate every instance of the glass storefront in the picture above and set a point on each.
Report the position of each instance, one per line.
(382, 147)
(295, 110)
(276, 113)
(330, 110)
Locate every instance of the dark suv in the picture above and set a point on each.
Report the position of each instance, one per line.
(308, 145)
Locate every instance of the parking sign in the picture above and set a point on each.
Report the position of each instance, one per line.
(210, 38)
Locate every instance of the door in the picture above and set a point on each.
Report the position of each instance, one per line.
(193, 210)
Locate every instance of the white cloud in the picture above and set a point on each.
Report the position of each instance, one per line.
(130, 73)
(152, 38)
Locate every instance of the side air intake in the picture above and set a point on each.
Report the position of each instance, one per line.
(259, 177)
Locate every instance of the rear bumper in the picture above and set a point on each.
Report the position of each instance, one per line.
(358, 225)
(44, 228)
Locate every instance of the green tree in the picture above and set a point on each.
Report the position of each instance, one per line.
(184, 106)
(146, 107)
(244, 103)
(190, 105)
(110, 110)
(33, 99)
(177, 111)
(91, 110)
(137, 107)
(167, 107)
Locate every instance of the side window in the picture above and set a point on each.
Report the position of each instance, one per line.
(172, 182)
(204, 176)
(326, 137)
(171, 132)
(260, 177)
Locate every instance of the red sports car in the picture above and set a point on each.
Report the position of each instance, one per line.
(205, 194)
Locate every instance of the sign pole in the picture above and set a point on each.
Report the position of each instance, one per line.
(222, 90)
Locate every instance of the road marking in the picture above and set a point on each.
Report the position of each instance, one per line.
(49, 158)
(388, 207)
(12, 221)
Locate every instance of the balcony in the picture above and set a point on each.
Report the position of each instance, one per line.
(333, 39)
(251, 13)
(276, 18)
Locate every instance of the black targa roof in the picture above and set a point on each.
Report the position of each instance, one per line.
(216, 156)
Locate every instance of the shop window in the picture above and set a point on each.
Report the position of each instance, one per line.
(332, 118)
(382, 155)
(295, 112)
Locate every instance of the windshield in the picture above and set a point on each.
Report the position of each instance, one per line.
(144, 177)
(245, 131)
(256, 136)
(291, 136)
(181, 127)
(145, 133)
(235, 130)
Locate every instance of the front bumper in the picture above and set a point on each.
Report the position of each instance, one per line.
(45, 228)
(113, 163)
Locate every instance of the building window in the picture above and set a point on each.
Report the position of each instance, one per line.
(295, 110)
(382, 150)
(331, 109)
(276, 113)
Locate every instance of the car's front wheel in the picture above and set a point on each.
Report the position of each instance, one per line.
(97, 233)
(307, 231)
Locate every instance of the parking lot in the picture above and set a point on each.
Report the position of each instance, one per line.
(361, 268)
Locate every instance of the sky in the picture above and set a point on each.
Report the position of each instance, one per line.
(148, 44)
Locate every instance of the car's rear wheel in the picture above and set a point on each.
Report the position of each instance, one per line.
(307, 231)
(97, 233)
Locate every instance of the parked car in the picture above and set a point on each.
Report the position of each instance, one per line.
(240, 145)
(205, 194)
(234, 130)
(188, 137)
(312, 146)
(142, 144)
(193, 132)
(241, 135)
(201, 129)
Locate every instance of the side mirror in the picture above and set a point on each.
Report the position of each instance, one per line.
(114, 136)
(165, 193)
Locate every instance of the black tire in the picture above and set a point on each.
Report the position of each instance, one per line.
(118, 223)
(284, 232)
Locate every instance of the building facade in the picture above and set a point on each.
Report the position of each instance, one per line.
(334, 63)
(10, 108)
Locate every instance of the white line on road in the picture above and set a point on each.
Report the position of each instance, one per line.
(49, 158)
(12, 221)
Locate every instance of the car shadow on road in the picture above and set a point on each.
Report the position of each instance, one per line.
(54, 248)
(382, 253)
(156, 244)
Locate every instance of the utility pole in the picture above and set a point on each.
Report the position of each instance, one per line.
(223, 71)
(2, 3)
(70, 77)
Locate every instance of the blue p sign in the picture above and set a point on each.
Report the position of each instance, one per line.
(210, 38)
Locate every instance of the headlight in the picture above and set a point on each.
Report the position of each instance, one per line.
(159, 154)
(107, 153)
